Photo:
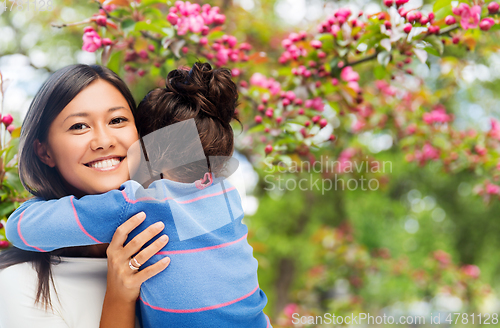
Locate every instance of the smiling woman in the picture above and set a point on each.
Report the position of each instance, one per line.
(74, 141)
(89, 139)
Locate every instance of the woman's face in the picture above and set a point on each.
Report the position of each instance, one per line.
(89, 139)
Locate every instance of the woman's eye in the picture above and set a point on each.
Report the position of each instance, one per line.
(118, 120)
(78, 126)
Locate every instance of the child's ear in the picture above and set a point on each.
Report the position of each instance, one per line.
(43, 154)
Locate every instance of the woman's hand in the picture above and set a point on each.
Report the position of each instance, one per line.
(123, 284)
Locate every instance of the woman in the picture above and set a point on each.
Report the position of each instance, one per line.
(82, 114)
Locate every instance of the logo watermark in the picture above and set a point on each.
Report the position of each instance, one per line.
(26, 5)
(362, 172)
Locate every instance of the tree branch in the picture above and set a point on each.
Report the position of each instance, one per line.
(148, 35)
(362, 60)
(71, 24)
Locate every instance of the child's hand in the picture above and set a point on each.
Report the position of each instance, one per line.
(124, 282)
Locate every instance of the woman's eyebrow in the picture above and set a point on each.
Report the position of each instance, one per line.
(84, 114)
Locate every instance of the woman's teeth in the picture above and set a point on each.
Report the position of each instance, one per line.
(105, 164)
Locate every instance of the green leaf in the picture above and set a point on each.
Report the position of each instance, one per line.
(143, 26)
(215, 35)
(439, 4)
(257, 128)
(432, 51)
(380, 72)
(147, 3)
(115, 61)
(14, 181)
(443, 12)
(6, 208)
(9, 154)
(287, 160)
(153, 13)
(285, 141)
(436, 43)
(128, 25)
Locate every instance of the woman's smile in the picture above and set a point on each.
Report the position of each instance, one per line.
(108, 163)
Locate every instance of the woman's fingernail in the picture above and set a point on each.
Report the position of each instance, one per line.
(163, 238)
(141, 215)
(158, 224)
(166, 260)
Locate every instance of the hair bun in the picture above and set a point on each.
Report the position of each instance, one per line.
(211, 92)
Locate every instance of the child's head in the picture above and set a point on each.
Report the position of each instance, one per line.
(76, 133)
(208, 96)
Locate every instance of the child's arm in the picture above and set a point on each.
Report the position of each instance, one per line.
(40, 225)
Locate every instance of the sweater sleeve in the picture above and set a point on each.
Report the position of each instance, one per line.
(44, 225)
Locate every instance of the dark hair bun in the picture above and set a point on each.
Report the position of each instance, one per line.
(211, 92)
(209, 96)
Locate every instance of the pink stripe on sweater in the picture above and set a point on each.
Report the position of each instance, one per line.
(133, 201)
(80, 224)
(196, 250)
(205, 196)
(202, 308)
(21, 235)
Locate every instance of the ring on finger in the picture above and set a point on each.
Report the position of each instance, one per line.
(132, 266)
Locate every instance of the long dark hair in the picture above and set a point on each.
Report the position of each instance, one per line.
(210, 97)
(39, 179)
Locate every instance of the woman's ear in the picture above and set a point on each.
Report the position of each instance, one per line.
(43, 154)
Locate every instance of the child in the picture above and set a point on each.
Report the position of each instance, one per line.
(212, 279)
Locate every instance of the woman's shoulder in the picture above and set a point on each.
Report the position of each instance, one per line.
(80, 283)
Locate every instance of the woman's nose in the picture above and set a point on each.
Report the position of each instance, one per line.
(103, 139)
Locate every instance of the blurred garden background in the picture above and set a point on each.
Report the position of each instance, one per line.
(370, 142)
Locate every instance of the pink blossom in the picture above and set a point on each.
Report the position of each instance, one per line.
(349, 75)
(450, 20)
(91, 41)
(260, 80)
(335, 30)
(407, 28)
(470, 16)
(492, 189)
(11, 128)
(109, 8)
(493, 8)
(315, 103)
(219, 19)
(344, 159)
(173, 18)
(343, 12)
(7, 119)
(107, 42)
(316, 44)
(196, 23)
(442, 257)
(411, 129)
(438, 115)
(429, 152)
(495, 129)
(355, 86)
(290, 309)
(471, 270)
(222, 56)
(358, 125)
(486, 23)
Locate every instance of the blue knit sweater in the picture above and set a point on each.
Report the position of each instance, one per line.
(212, 278)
